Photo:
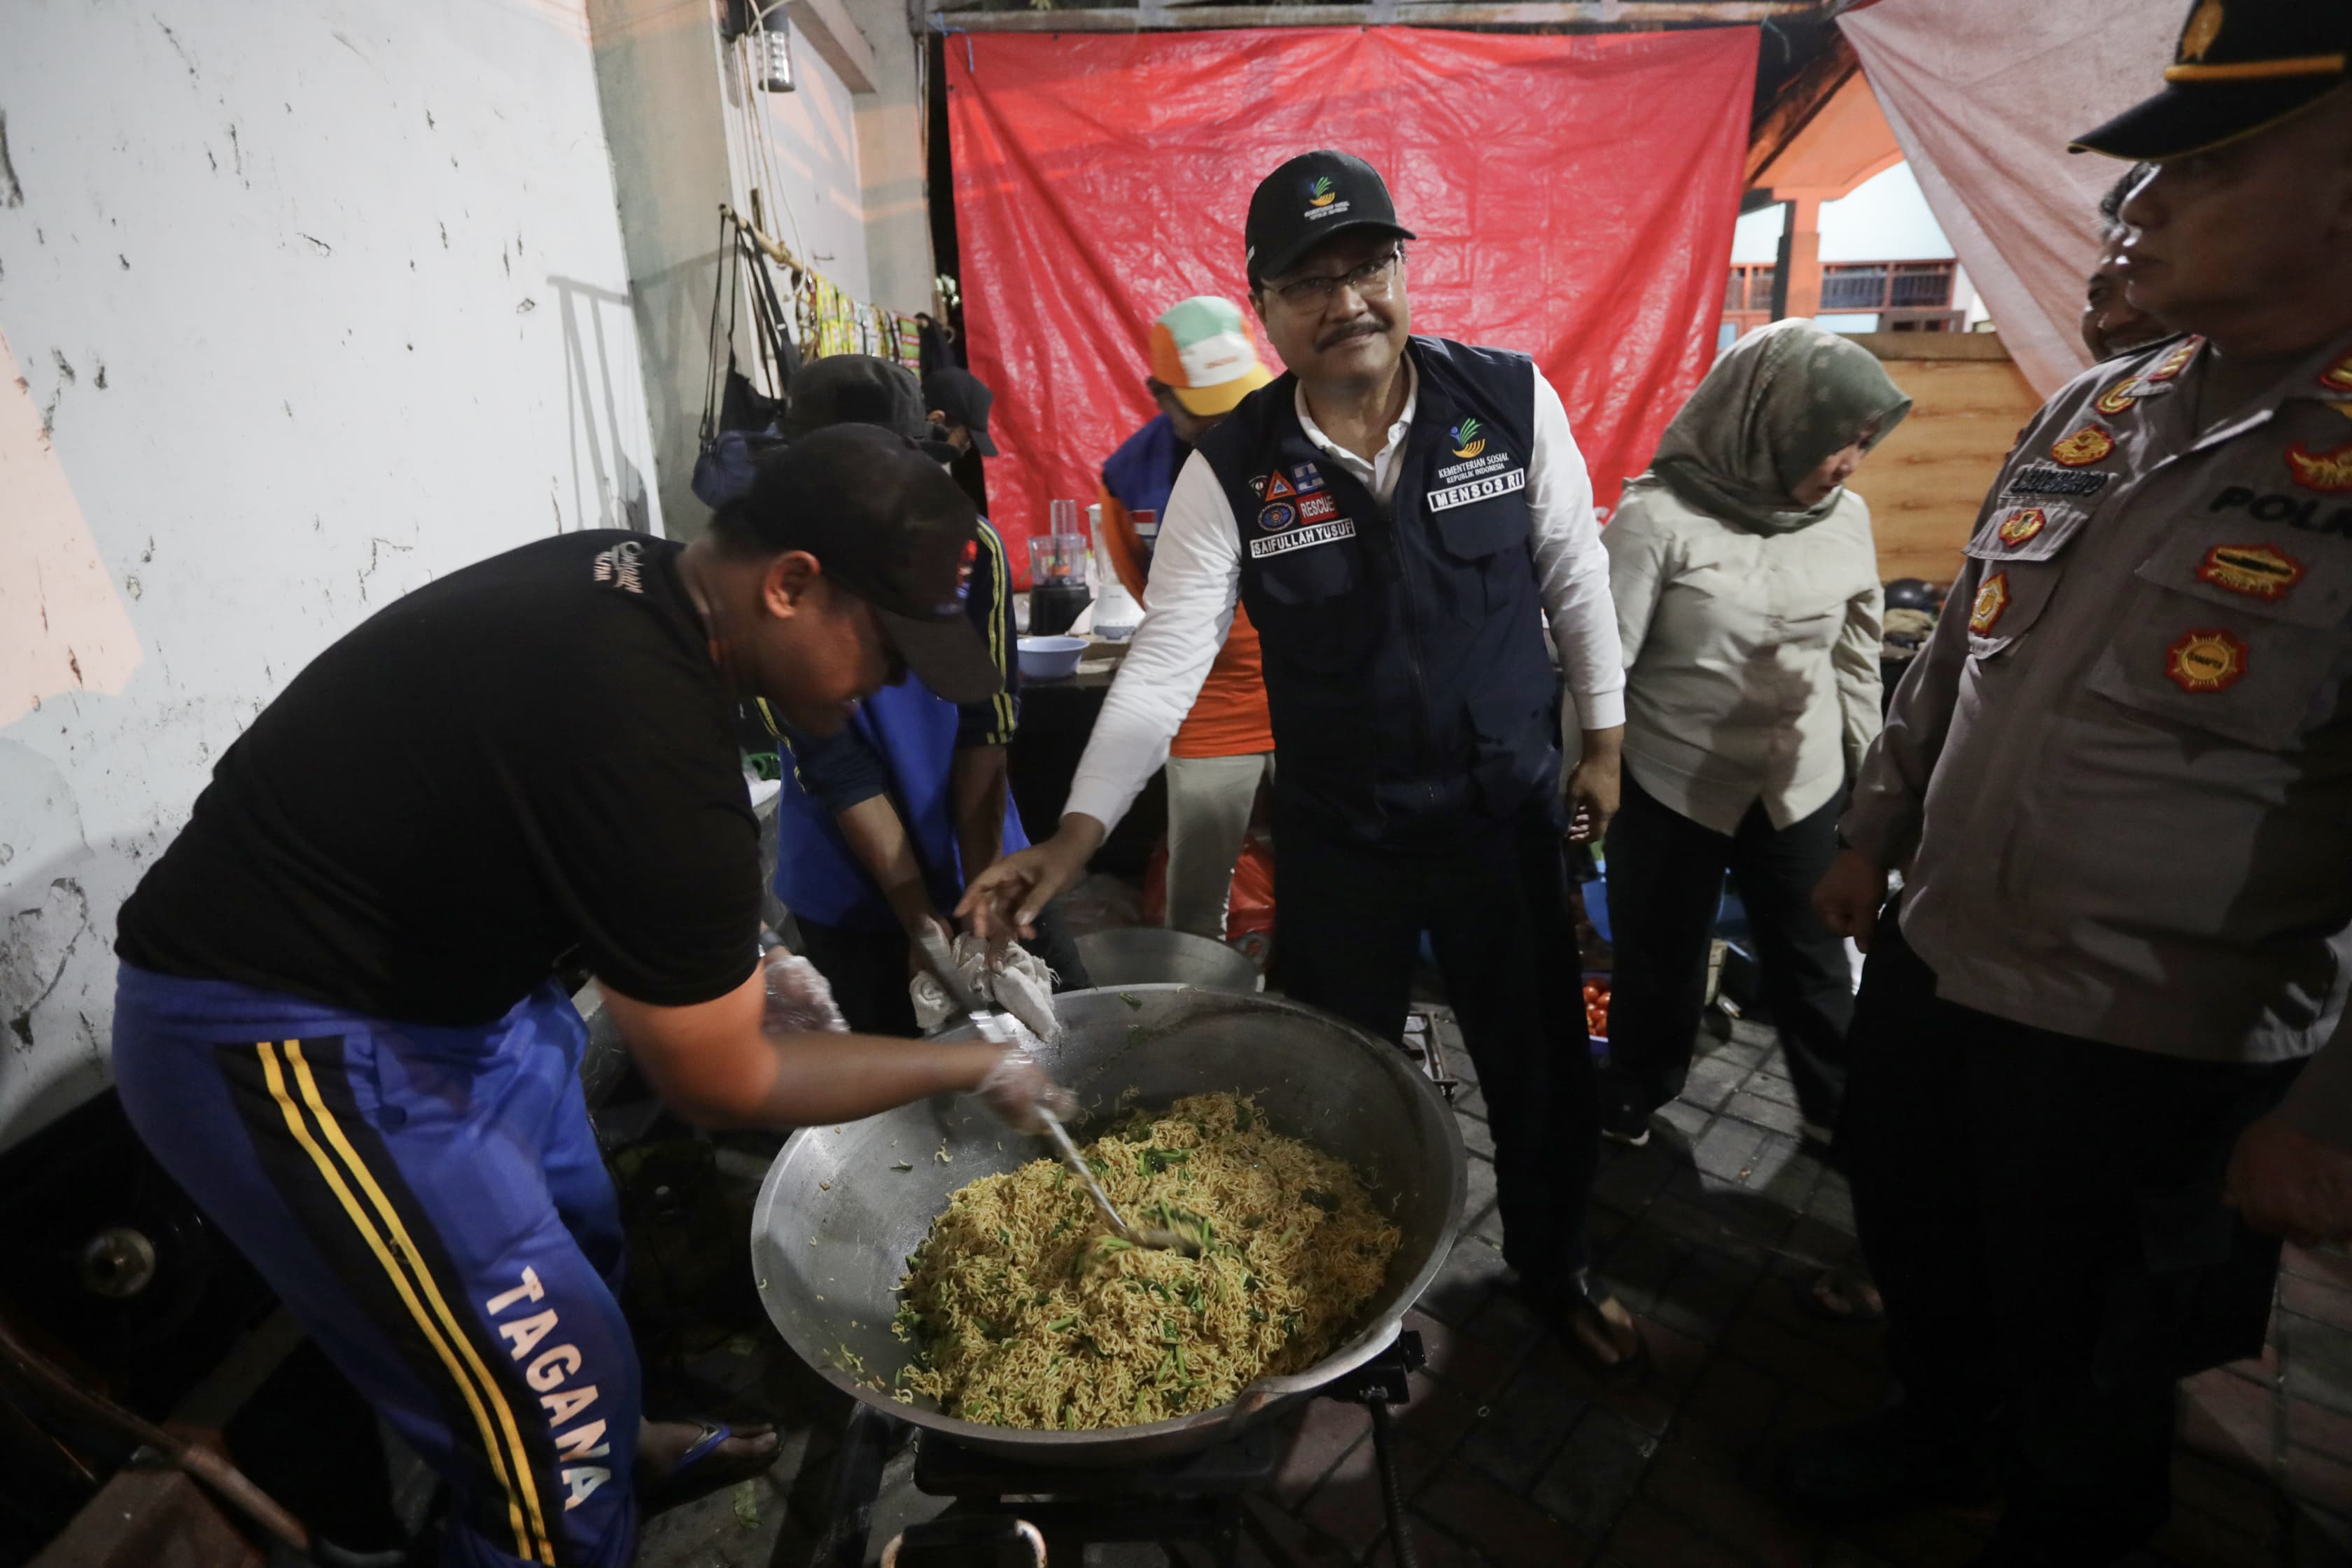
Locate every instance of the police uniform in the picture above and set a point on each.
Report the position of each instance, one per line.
(1400, 605)
(2119, 781)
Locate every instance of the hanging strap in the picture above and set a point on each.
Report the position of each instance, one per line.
(729, 254)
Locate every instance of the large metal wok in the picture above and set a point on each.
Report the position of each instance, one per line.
(836, 1217)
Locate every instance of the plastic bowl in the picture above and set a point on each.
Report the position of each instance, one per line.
(1051, 659)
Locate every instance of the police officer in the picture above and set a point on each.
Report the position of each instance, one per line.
(2120, 780)
(1399, 515)
(336, 1023)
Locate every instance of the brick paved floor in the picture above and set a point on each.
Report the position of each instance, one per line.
(1512, 1458)
(1712, 1233)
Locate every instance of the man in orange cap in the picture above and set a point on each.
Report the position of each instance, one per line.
(1202, 364)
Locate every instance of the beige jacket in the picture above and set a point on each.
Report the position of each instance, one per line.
(2124, 760)
(1751, 659)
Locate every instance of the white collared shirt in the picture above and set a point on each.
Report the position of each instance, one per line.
(1196, 573)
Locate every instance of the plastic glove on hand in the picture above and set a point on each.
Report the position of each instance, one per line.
(800, 999)
(1017, 1087)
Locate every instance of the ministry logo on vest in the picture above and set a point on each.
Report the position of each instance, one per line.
(1484, 472)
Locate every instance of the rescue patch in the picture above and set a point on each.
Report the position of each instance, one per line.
(1329, 532)
(1478, 490)
(1276, 488)
(2329, 473)
(1993, 602)
(2118, 398)
(2206, 662)
(2040, 481)
(1317, 507)
(2085, 446)
(2258, 570)
(2022, 525)
(1276, 516)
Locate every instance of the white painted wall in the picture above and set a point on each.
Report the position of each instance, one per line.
(1755, 237)
(1885, 218)
(893, 160)
(310, 303)
(813, 143)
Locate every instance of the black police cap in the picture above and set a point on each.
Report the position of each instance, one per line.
(2242, 66)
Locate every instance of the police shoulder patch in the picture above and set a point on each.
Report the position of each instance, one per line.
(1991, 602)
(2085, 446)
(2022, 525)
(2329, 473)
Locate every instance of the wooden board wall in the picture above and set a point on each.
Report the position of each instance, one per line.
(1926, 482)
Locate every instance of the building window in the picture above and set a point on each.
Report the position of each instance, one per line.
(1907, 296)
(1747, 299)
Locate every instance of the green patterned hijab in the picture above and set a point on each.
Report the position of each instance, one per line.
(1779, 401)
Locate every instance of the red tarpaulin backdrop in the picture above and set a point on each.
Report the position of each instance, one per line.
(1574, 198)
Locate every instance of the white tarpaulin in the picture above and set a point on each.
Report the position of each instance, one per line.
(1984, 94)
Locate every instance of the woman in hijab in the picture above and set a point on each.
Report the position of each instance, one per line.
(1748, 600)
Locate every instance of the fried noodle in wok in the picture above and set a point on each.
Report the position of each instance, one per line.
(1027, 1313)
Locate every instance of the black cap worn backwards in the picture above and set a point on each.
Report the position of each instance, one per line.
(2242, 64)
(965, 399)
(1306, 202)
(860, 389)
(885, 522)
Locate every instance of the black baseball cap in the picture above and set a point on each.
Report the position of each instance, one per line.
(888, 523)
(861, 389)
(2242, 66)
(1308, 200)
(965, 399)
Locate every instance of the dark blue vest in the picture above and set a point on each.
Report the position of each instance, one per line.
(1405, 665)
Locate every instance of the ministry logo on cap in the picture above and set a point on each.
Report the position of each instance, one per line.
(1306, 200)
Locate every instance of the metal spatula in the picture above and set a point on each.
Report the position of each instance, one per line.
(1001, 1029)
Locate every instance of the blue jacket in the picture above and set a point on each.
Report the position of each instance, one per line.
(902, 743)
(1143, 470)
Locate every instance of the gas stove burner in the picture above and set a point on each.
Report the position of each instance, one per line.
(1017, 1514)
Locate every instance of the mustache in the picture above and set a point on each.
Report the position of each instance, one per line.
(1368, 327)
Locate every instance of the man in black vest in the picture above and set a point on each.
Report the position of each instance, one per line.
(1400, 515)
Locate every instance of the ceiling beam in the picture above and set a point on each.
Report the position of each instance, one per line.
(1165, 15)
(1801, 97)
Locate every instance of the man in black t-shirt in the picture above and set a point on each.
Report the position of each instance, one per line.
(336, 1022)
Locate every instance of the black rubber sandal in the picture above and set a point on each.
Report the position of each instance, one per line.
(1584, 1295)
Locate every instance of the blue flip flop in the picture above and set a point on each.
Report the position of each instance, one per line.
(700, 1472)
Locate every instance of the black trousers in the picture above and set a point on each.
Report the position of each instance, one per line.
(1349, 917)
(868, 970)
(2043, 1214)
(1665, 882)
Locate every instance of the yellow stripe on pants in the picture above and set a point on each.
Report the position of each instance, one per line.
(531, 1540)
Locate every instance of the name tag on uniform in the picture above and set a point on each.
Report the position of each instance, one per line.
(2042, 481)
(1330, 532)
(1478, 489)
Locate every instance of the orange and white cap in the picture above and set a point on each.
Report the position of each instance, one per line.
(1202, 351)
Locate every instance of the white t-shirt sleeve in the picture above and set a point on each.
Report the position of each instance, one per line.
(1571, 568)
(1188, 604)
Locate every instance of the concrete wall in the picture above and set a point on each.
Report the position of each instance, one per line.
(810, 183)
(689, 131)
(304, 305)
(658, 71)
(891, 164)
